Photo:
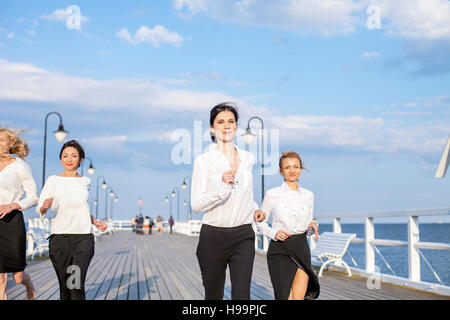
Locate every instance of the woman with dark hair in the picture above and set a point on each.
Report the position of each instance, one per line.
(15, 180)
(288, 257)
(222, 186)
(71, 241)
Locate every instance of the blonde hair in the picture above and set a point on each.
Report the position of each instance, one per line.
(290, 154)
(18, 144)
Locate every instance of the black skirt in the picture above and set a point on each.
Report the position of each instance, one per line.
(12, 243)
(283, 260)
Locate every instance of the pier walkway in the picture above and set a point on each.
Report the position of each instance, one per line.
(127, 266)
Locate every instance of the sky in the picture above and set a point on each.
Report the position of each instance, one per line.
(361, 89)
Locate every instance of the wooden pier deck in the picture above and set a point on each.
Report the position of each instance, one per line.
(127, 266)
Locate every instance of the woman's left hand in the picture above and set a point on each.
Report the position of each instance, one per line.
(101, 226)
(5, 209)
(313, 224)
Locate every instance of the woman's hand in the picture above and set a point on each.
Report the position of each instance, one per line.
(46, 205)
(313, 224)
(282, 235)
(100, 225)
(5, 209)
(259, 215)
(228, 177)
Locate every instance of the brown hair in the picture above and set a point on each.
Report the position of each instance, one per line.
(18, 144)
(291, 154)
(77, 146)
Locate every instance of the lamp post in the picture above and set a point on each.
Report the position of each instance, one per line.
(113, 199)
(169, 199)
(178, 196)
(90, 170)
(445, 160)
(60, 135)
(248, 138)
(184, 187)
(104, 186)
(111, 194)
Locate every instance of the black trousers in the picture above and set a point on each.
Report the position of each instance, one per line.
(219, 247)
(71, 255)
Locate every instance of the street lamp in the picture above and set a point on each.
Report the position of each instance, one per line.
(169, 199)
(184, 187)
(111, 194)
(248, 139)
(178, 196)
(90, 170)
(113, 199)
(104, 186)
(445, 160)
(60, 135)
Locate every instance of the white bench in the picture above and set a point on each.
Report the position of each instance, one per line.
(332, 246)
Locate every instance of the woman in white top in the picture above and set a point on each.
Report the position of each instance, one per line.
(222, 186)
(15, 179)
(288, 257)
(71, 242)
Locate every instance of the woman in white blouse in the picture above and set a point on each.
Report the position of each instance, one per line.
(71, 242)
(288, 257)
(15, 179)
(222, 186)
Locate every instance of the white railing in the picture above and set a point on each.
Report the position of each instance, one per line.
(122, 224)
(370, 245)
(190, 228)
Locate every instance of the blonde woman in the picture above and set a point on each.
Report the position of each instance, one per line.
(289, 257)
(15, 180)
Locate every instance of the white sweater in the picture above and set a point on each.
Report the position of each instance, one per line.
(70, 204)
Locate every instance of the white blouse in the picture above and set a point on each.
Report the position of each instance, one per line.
(225, 205)
(70, 204)
(15, 179)
(292, 210)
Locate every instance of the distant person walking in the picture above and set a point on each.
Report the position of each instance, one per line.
(222, 186)
(71, 241)
(288, 257)
(171, 223)
(159, 225)
(15, 180)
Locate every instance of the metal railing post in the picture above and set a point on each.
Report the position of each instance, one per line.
(413, 253)
(370, 252)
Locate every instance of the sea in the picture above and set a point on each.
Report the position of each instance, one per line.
(397, 257)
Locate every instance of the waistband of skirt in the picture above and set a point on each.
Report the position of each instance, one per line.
(226, 229)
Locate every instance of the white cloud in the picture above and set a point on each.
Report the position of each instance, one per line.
(154, 36)
(372, 54)
(10, 35)
(61, 15)
(416, 19)
(156, 101)
(428, 102)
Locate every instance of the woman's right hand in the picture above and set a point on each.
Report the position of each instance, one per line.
(282, 235)
(47, 204)
(228, 177)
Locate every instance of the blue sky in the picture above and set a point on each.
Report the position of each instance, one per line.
(367, 108)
